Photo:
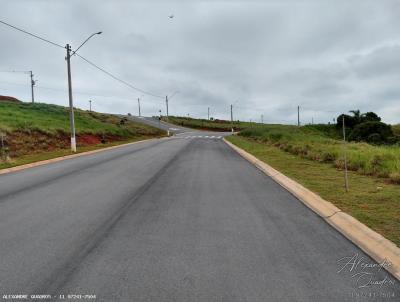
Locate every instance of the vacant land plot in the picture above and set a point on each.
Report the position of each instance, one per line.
(34, 132)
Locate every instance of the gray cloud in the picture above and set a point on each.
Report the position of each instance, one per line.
(265, 57)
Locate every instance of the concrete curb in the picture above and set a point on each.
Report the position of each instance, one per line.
(375, 245)
(61, 158)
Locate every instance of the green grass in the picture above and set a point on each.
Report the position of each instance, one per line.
(371, 200)
(215, 125)
(40, 131)
(322, 144)
(52, 119)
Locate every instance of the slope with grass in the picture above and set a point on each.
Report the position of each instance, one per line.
(209, 125)
(39, 131)
(323, 144)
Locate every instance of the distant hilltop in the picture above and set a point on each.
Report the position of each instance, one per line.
(4, 98)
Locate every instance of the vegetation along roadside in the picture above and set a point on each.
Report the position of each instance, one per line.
(32, 132)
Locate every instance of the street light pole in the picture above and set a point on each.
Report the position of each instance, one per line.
(232, 117)
(71, 103)
(166, 102)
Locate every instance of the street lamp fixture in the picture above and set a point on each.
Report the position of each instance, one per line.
(71, 103)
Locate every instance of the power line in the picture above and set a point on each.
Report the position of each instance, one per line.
(33, 35)
(78, 92)
(86, 60)
(15, 71)
(118, 79)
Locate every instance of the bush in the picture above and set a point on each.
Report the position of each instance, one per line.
(371, 132)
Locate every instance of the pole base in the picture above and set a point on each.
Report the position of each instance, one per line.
(73, 144)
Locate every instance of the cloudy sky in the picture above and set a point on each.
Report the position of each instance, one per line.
(265, 57)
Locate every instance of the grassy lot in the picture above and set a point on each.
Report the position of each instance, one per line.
(203, 124)
(322, 143)
(37, 131)
(373, 201)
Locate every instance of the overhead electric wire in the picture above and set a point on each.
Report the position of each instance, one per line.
(86, 60)
(33, 35)
(116, 78)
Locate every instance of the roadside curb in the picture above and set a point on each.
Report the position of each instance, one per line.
(375, 245)
(61, 158)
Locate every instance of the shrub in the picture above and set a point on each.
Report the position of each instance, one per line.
(371, 132)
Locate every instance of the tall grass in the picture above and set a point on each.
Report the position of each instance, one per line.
(323, 144)
(51, 119)
(213, 125)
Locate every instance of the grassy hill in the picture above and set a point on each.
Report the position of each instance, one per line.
(322, 144)
(42, 131)
(204, 124)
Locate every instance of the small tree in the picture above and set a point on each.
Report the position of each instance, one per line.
(370, 117)
(371, 132)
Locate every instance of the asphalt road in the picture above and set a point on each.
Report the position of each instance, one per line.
(177, 219)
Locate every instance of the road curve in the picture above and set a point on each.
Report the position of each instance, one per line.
(178, 219)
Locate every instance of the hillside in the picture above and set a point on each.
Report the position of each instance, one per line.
(322, 144)
(210, 125)
(5, 98)
(29, 129)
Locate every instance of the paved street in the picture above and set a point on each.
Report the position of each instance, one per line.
(177, 219)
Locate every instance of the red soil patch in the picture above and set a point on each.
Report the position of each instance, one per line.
(18, 143)
(88, 139)
(4, 98)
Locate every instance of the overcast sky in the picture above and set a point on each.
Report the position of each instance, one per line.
(265, 57)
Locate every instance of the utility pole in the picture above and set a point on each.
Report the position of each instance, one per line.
(32, 84)
(298, 116)
(71, 103)
(262, 119)
(90, 105)
(166, 103)
(208, 113)
(346, 181)
(232, 117)
(138, 101)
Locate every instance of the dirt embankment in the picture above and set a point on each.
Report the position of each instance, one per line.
(18, 143)
(5, 98)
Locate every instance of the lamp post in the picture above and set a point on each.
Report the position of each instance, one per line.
(166, 101)
(71, 103)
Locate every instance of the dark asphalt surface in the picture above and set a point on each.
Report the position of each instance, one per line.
(177, 219)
